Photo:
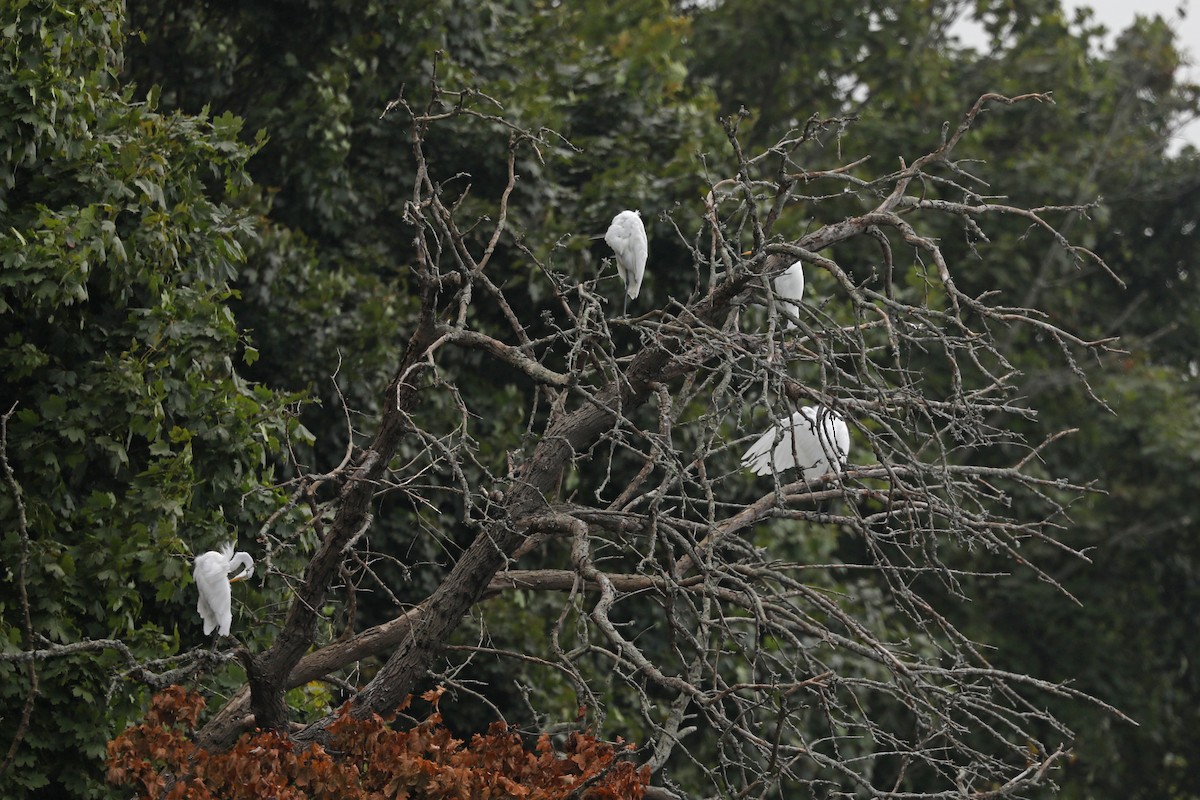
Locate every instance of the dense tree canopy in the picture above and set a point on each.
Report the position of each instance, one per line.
(321, 278)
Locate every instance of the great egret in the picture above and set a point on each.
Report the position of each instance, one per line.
(211, 573)
(789, 288)
(627, 237)
(809, 438)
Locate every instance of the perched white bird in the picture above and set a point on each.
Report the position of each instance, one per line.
(789, 288)
(809, 438)
(627, 237)
(211, 573)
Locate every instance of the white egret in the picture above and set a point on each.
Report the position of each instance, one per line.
(789, 288)
(627, 237)
(211, 573)
(809, 438)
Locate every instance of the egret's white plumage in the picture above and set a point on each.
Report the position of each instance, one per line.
(211, 573)
(808, 439)
(627, 237)
(789, 288)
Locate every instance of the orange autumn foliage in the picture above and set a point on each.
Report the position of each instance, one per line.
(364, 760)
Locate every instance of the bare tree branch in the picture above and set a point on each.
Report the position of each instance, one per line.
(22, 592)
(795, 627)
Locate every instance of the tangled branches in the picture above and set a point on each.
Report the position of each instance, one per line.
(771, 632)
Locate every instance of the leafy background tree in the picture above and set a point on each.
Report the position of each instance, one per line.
(133, 437)
(159, 271)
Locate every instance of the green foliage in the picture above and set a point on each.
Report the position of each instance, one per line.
(135, 441)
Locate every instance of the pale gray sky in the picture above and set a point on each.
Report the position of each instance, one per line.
(1116, 15)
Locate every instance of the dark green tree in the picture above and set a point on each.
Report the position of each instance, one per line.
(130, 441)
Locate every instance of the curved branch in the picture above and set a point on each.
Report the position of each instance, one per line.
(511, 356)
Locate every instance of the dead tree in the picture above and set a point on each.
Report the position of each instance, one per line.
(764, 661)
